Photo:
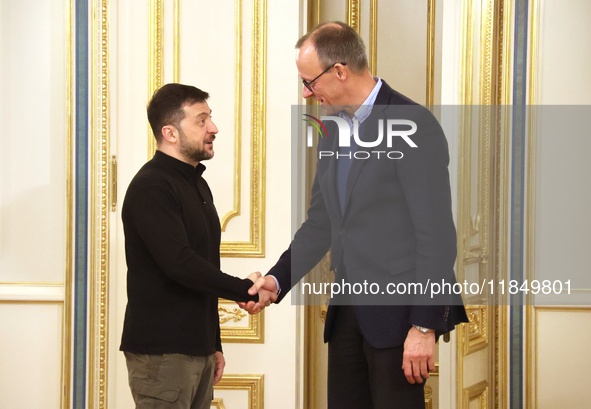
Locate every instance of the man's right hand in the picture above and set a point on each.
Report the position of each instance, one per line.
(267, 290)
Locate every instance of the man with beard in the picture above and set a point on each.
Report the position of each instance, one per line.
(171, 334)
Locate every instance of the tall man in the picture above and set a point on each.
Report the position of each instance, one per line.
(171, 334)
(384, 218)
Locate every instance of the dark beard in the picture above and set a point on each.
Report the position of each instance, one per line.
(196, 155)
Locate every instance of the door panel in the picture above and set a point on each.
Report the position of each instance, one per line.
(404, 43)
(404, 48)
(36, 204)
(222, 48)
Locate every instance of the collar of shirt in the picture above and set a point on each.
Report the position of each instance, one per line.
(189, 171)
(365, 109)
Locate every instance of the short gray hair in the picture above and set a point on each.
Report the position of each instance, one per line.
(336, 42)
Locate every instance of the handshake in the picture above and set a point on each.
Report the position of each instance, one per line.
(267, 289)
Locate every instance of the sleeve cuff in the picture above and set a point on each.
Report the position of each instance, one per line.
(276, 283)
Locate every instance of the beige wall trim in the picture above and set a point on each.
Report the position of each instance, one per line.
(17, 292)
(99, 206)
(532, 347)
(237, 120)
(255, 247)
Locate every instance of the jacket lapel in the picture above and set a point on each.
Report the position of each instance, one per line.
(368, 132)
(332, 199)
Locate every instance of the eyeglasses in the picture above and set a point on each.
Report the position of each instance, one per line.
(308, 84)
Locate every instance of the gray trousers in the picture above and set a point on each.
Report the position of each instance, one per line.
(171, 381)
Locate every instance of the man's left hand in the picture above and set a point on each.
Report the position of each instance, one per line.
(220, 363)
(417, 359)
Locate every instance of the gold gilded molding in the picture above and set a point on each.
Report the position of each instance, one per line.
(464, 163)
(485, 125)
(562, 308)
(313, 14)
(486, 52)
(477, 392)
(475, 333)
(435, 371)
(156, 52)
(255, 247)
(176, 38)
(481, 48)
(253, 384)
(252, 332)
(474, 169)
(465, 98)
(233, 314)
(314, 313)
(373, 36)
(32, 302)
(353, 17)
(430, 97)
(66, 379)
(155, 58)
(327, 276)
(428, 397)
(237, 119)
(505, 58)
(66, 369)
(466, 55)
(218, 403)
(506, 53)
(530, 245)
(474, 174)
(533, 36)
(99, 207)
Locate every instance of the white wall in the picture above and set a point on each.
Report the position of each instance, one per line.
(33, 201)
(560, 202)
